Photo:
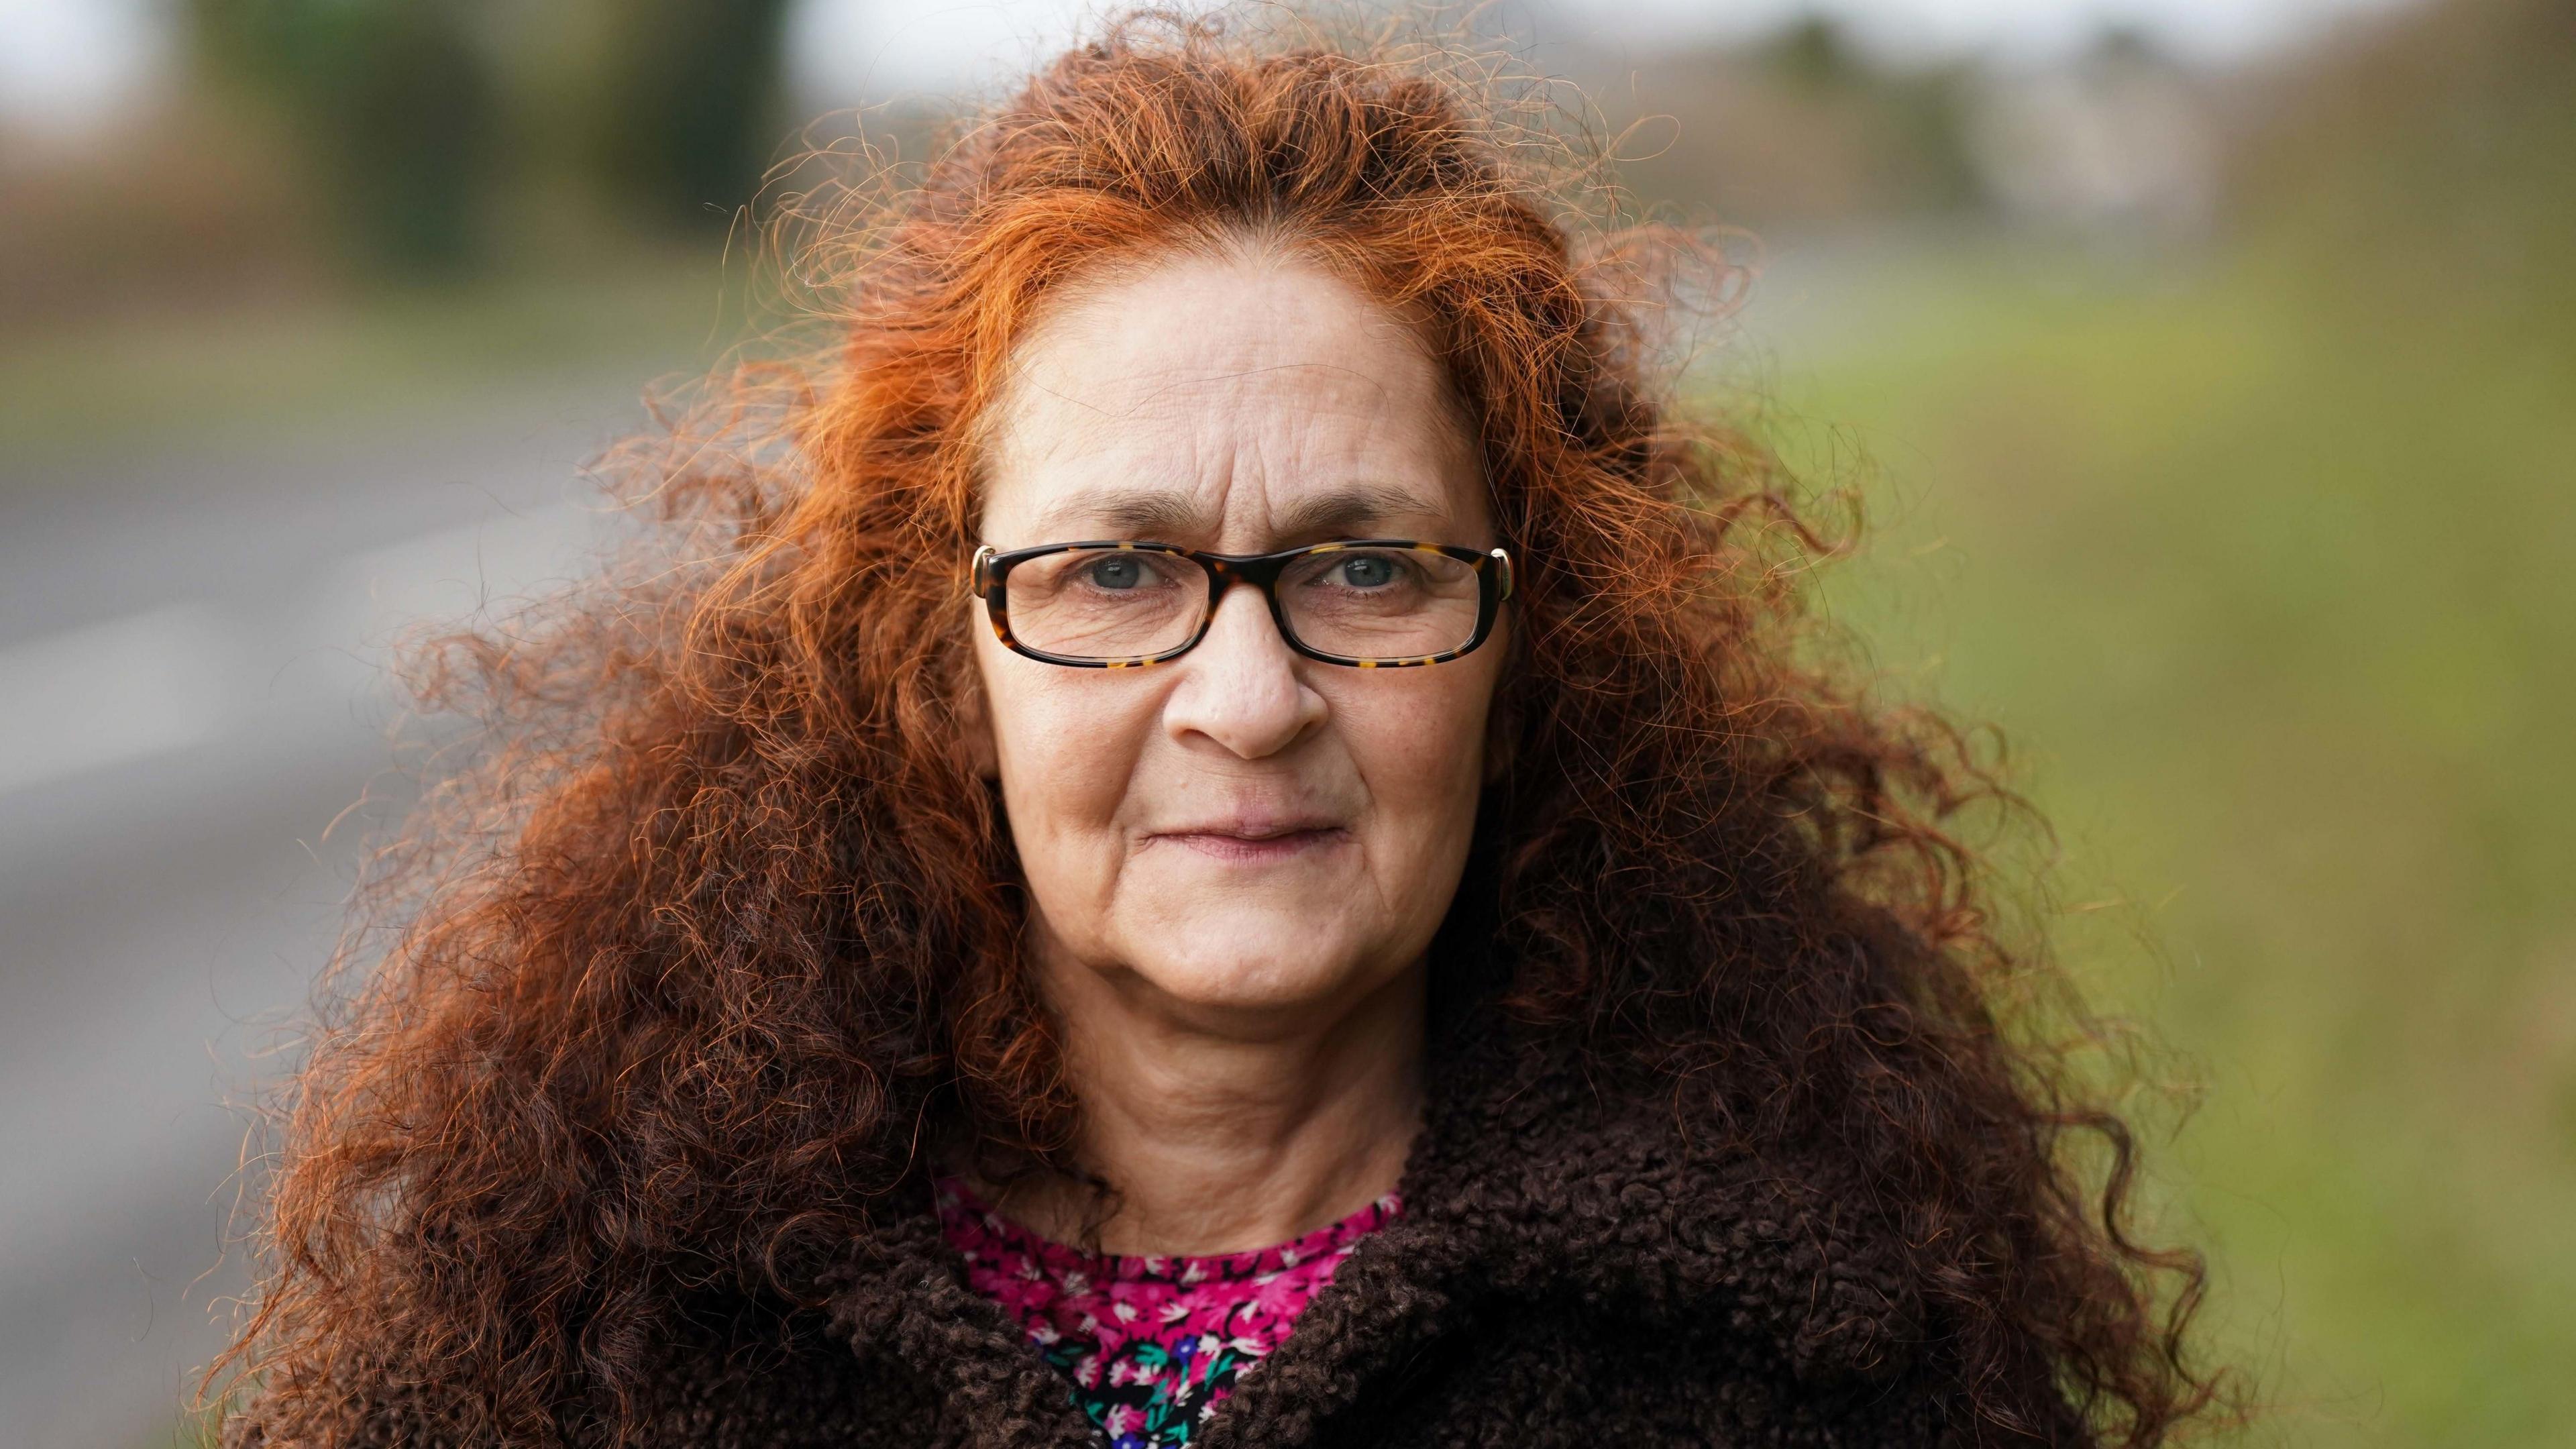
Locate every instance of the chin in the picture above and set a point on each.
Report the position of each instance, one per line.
(1256, 962)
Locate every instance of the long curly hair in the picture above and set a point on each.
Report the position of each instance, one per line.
(670, 977)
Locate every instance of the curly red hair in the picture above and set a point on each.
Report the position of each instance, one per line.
(685, 965)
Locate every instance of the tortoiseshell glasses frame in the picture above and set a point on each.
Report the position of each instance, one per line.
(1490, 569)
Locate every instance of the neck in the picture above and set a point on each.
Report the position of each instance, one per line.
(1224, 1134)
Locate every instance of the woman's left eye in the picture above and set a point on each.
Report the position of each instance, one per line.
(1367, 571)
(1118, 573)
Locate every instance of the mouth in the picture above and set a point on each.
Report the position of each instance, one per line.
(1255, 842)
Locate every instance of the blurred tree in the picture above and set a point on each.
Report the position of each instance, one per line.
(395, 101)
(1909, 119)
(1801, 128)
(2438, 152)
(2127, 43)
(1814, 52)
(422, 120)
(690, 108)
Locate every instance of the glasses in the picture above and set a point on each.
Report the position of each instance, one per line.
(1377, 603)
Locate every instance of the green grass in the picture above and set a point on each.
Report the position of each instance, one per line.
(165, 377)
(2269, 583)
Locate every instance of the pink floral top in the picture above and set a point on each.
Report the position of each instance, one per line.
(1149, 1343)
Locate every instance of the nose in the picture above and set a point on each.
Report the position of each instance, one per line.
(1240, 687)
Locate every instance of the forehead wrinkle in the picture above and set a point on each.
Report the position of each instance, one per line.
(1168, 516)
(1134, 512)
(1376, 383)
(1178, 379)
(1345, 507)
(1028, 381)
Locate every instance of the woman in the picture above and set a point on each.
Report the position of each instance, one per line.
(1230, 848)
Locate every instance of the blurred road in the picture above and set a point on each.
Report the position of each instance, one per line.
(191, 688)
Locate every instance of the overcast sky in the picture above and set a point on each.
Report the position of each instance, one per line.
(844, 49)
(64, 62)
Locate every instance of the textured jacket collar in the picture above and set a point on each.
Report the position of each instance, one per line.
(1533, 1180)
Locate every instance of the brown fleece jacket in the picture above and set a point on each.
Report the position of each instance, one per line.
(1573, 1266)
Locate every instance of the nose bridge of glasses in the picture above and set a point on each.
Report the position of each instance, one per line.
(1260, 574)
(1263, 572)
(1260, 570)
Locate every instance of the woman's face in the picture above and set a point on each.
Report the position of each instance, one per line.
(1240, 834)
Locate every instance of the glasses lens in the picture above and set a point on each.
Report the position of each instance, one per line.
(1380, 603)
(1093, 603)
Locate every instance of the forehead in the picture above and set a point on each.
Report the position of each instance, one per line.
(1227, 402)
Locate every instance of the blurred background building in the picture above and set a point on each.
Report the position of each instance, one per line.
(2208, 370)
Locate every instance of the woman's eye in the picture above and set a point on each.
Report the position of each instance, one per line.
(1118, 573)
(1368, 571)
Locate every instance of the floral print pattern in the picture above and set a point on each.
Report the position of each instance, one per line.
(1150, 1343)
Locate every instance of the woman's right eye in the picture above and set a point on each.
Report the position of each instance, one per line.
(1125, 571)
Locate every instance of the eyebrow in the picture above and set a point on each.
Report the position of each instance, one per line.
(1168, 516)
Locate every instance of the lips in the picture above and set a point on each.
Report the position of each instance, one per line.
(1255, 827)
(1256, 837)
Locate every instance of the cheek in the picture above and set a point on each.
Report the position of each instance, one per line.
(1420, 746)
(1067, 741)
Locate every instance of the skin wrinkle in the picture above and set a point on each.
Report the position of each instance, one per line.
(1351, 509)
